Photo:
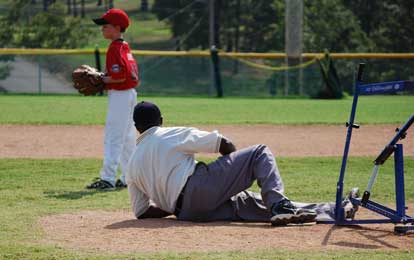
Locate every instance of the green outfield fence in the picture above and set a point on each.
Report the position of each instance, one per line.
(185, 73)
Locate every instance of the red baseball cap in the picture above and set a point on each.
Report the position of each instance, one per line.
(114, 16)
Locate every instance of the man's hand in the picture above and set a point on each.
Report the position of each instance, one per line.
(226, 146)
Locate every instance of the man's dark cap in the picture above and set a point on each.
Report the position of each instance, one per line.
(147, 114)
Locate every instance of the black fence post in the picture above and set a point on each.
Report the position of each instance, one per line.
(98, 63)
(216, 70)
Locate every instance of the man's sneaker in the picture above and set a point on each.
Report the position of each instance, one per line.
(100, 185)
(349, 208)
(285, 213)
(120, 184)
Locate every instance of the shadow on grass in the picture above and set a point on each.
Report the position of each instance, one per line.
(74, 195)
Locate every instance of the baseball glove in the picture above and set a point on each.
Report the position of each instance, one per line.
(87, 80)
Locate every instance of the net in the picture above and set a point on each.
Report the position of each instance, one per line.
(190, 76)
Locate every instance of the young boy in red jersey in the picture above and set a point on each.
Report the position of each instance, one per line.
(120, 79)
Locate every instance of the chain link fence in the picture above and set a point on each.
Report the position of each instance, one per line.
(190, 75)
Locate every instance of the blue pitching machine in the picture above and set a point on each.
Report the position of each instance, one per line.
(398, 216)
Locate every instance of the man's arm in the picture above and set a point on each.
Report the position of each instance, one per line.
(142, 205)
(154, 212)
(226, 146)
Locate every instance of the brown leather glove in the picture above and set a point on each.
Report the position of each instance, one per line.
(87, 80)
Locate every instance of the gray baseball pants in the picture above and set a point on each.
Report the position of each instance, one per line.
(218, 191)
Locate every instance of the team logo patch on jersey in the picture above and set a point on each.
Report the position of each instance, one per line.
(115, 68)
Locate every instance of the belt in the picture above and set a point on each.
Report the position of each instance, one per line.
(179, 202)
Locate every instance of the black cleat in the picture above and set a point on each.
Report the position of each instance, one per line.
(100, 185)
(285, 213)
(120, 184)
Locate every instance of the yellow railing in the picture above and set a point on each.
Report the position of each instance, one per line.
(248, 55)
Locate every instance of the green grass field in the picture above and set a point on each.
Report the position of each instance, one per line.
(26, 109)
(30, 189)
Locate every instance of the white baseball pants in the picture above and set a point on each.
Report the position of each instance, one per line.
(120, 133)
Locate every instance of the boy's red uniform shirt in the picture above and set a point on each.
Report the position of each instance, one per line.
(121, 64)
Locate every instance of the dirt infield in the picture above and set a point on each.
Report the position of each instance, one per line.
(87, 141)
(118, 232)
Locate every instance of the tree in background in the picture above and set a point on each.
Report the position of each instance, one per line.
(262, 26)
(247, 25)
(252, 25)
(24, 26)
(83, 8)
(52, 29)
(389, 26)
(259, 26)
(68, 6)
(328, 24)
(184, 20)
(75, 8)
(46, 4)
(7, 28)
(388, 23)
(72, 8)
(144, 5)
(107, 4)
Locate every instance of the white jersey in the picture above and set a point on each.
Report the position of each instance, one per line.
(162, 162)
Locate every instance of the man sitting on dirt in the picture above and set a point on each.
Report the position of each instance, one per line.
(163, 177)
